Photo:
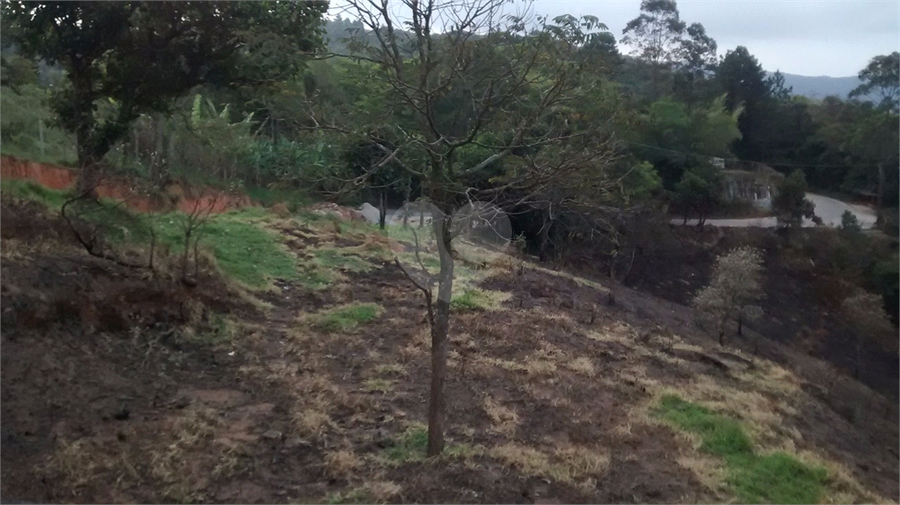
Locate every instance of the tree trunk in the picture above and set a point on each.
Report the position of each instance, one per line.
(878, 202)
(544, 237)
(382, 208)
(440, 330)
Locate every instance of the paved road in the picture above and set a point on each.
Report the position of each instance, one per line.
(828, 209)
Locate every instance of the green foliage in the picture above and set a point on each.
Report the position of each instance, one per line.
(125, 54)
(743, 80)
(699, 190)
(16, 71)
(346, 317)
(882, 74)
(755, 478)
(850, 223)
(26, 129)
(409, 447)
(292, 198)
(790, 204)
(284, 163)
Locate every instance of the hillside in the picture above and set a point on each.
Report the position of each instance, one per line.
(304, 379)
(819, 87)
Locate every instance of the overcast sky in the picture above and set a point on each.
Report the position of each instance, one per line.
(806, 37)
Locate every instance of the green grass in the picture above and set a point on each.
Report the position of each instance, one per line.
(470, 300)
(410, 446)
(243, 250)
(29, 190)
(346, 317)
(755, 478)
(721, 435)
(333, 258)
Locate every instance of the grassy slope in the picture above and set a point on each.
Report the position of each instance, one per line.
(736, 440)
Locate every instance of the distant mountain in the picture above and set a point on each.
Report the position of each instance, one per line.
(820, 87)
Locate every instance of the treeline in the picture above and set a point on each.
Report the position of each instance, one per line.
(278, 116)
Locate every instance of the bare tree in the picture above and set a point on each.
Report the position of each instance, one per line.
(734, 288)
(515, 76)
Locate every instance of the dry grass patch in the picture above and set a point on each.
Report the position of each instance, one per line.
(505, 419)
(342, 464)
(710, 471)
(382, 491)
(390, 369)
(569, 465)
(177, 457)
(538, 367)
(310, 422)
(583, 461)
(377, 385)
(526, 459)
(582, 365)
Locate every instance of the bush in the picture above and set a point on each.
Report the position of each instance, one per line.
(850, 223)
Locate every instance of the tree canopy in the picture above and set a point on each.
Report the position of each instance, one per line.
(125, 58)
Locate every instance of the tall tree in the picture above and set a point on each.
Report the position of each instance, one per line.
(881, 75)
(696, 60)
(135, 57)
(743, 80)
(516, 94)
(656, 37)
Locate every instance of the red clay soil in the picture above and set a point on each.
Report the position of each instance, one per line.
(175, 197)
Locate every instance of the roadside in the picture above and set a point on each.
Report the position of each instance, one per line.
(828, 209)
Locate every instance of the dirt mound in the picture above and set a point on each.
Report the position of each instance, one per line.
(176, 197)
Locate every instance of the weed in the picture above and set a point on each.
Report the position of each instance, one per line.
(346, 317)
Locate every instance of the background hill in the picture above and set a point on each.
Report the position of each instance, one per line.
(820, 86)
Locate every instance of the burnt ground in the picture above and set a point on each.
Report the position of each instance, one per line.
(118, 387)
(798, 302)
